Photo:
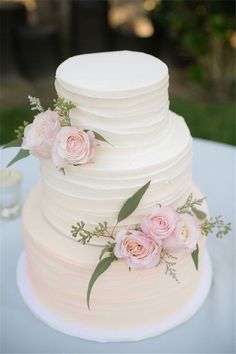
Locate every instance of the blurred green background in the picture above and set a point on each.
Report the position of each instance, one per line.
(196, 39)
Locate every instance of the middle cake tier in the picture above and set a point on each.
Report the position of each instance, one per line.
(95, 192)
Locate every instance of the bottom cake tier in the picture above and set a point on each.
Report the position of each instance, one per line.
(54, 272)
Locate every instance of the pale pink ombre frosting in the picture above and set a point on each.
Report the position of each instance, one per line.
(60, 271)
(184, 237)
(138, 249)
(73, 146)
(160, 222)
(40, 135)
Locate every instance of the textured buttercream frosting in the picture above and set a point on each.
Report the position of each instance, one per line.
(60, 269)
(124, 97)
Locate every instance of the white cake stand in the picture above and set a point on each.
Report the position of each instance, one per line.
(76, 330)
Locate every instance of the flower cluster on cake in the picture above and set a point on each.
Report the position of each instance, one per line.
(51, 136)
(125, 196)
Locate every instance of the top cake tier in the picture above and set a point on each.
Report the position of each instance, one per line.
(121, 95)
(119, 74)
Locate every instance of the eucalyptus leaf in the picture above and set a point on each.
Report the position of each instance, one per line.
(195, 257)
(21, 155)
(100, 137)
(199, 214)
(132, 203)
(101, 267)
(62, 170)
(103, 252)
(13, 143)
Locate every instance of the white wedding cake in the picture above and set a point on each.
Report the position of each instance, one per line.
(122, 96)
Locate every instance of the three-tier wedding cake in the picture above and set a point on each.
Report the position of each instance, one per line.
(123, 98)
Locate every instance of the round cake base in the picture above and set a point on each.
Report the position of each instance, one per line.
(76, 330)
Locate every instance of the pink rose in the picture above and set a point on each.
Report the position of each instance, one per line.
(139, 250)
(160, 222)
(39, 135)
(185, 236)
(73, 146)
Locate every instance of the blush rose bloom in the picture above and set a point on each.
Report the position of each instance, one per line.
(73, 146)
(40, 135)
(160, 222)
(139, 250)
(185, 236)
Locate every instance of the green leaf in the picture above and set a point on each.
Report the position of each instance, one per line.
(199, 214)
(21, 155)
(100, 137)
(101, 267)
(62, 170)
(103, 252)
(13, 143)
(132, 203)
(195, 257)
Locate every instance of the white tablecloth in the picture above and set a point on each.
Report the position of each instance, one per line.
(211, 330)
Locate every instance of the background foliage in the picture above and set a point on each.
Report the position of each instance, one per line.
(196, 38)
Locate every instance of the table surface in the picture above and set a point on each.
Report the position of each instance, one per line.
(211, 330)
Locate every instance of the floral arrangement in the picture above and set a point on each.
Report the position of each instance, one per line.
(163, 233)
(51, 136)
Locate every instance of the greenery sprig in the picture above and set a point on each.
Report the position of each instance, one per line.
(20, 130)
(35, 104)
(195, 255)
(108, 248)
(63, 107)
(101, 267)
(170, 262)
(84, 235)
(17, 143)
(190, 207)
(22, 154)
(79, 229)
(207, 226)
(215, 224)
